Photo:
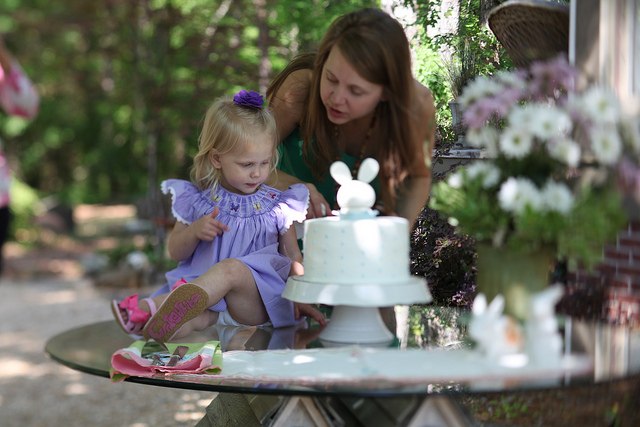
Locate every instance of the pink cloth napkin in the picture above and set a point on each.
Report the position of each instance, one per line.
(146, 359)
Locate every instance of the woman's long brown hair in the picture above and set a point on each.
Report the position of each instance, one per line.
(376, 46)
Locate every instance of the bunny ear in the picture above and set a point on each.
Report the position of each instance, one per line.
(340, 172)
(497, 305)
(479, 304)
(368, 170)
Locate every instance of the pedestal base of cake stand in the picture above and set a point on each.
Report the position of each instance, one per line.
(356, 325)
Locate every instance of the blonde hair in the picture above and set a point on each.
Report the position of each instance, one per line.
(376, 46)
(227, 124)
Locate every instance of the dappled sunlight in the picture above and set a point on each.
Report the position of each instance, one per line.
(193, 408)
(20, 342)
(15, 368)
(76, 389)
(59, 297)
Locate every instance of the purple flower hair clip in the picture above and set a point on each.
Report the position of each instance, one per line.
(249, 99)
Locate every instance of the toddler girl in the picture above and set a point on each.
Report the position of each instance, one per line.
(233, 238)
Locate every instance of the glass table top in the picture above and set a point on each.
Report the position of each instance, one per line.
(612, 352)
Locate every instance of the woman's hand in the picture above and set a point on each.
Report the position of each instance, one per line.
(318, 206)
(208, 227)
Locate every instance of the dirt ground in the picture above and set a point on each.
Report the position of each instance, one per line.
(43, 291)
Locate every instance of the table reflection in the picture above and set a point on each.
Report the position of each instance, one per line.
(613, 350)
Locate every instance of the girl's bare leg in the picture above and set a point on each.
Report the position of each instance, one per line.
(233, 280)
(200, 323)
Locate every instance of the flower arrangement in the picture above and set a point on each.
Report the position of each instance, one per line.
(548, 179)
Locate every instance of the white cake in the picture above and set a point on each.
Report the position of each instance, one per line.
(361, 251)
(357, 260)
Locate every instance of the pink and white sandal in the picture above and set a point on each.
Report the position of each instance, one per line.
(136, 318)
(183, 304)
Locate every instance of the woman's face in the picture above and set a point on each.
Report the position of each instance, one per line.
(345, 94)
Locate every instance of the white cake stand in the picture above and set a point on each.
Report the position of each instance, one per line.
(356, 325)
(356, 314)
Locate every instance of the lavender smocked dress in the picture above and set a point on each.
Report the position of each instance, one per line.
(255, 222)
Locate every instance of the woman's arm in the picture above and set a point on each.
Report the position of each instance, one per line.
(287, 105)
(185, 238)
(417, 187)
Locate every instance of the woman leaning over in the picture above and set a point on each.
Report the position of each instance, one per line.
(356, 98)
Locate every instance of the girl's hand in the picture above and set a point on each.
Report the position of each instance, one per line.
(208, 227)
(301, 309)
(318, 206)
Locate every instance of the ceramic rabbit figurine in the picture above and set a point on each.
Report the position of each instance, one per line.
(494, 333)
(355, 196)
(544, 343)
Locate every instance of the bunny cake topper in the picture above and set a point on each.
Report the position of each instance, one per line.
(356, 197)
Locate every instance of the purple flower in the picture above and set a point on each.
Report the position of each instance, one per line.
(479, 112)
(249, 99)
(548, 77)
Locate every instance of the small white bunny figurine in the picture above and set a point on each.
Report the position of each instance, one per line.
(495, 334)
(355, 195)
(544, 343)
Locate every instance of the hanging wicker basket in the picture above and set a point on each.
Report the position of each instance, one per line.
(531, 30)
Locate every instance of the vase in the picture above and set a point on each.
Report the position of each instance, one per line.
(456, 119)
(515, 275)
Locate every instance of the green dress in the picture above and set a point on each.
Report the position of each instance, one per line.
(292, 162)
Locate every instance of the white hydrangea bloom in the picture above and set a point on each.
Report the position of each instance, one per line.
(606, 144)
(600, 105)
(516, 194)
(516, 142)
(557, 197)
(487, 171)
(520, 117)
(455, 180)
(486, 136)
(481, 87)
(566, 151)
(548, 122)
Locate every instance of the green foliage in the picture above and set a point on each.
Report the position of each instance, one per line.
(446, 62)
(24, 205)
(445, 258)
(124, 85)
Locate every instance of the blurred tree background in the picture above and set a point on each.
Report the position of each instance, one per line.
(125, 83)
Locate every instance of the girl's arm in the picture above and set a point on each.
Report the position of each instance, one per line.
(185, 238)
(289, 248)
